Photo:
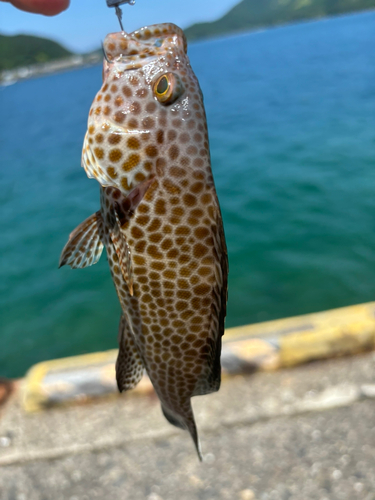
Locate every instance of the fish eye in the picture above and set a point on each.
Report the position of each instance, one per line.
(168, 88)
(162, 86)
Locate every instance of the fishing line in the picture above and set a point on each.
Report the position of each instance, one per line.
(116, 4)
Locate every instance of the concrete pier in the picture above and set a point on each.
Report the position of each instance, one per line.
(263, 346)
(303, 432)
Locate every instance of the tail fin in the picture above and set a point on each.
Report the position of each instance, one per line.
(186, 422)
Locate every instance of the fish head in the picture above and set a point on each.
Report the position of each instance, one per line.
(142, 116)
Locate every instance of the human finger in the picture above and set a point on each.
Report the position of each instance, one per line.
(45, 7)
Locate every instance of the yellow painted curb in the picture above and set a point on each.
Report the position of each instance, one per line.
(47, 381)
(263, 346)
(299, 339)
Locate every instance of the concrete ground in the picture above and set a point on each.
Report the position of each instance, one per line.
(306, 433)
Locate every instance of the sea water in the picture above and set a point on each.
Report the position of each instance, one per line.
(291, 116)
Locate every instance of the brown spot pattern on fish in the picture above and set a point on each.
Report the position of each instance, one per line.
(161, 218)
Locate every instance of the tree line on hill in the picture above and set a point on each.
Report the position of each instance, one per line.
(25, 50)
(252, 14)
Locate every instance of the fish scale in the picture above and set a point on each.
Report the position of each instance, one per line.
(160, 221)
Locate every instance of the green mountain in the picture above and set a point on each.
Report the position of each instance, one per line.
(22, 50)
(250, 14)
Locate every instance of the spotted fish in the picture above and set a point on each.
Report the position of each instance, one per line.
(160, 221)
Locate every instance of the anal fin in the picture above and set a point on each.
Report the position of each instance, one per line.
(84, 246)
(129, 366)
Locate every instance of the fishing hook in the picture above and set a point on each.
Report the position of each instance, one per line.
(116, 4)
(104, 54)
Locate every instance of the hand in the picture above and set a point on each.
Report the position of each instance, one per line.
(46, 7)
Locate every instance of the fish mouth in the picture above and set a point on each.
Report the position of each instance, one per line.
(136, 49)
(110, 127)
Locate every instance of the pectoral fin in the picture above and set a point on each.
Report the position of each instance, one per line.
(123, 252)
(123, 209)
(129, 366)
(84, 246)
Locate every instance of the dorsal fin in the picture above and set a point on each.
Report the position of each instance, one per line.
(211, 376)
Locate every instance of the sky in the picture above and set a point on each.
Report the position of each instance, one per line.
(86, 23)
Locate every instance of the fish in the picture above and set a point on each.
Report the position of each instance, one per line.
(160, 221)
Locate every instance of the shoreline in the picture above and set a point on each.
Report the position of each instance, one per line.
(11, 76)
(266, 27)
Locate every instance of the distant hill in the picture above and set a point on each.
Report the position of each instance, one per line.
(250, 14)
(23, 50)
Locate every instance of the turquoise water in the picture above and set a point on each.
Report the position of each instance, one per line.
(291, 115)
